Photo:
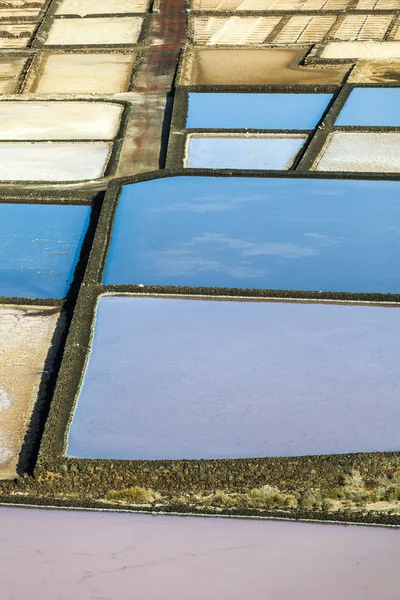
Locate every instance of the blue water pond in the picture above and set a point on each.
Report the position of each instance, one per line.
(39, 248)
(373, 107)
(264, 233)
(255, 111)
(192, 379)
(230, 152)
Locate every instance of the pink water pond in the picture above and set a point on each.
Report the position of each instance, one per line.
(60, 555)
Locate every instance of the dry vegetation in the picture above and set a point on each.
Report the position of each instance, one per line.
(133, 495)
(353, 494)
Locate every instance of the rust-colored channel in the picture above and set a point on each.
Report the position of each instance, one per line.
(146, 134)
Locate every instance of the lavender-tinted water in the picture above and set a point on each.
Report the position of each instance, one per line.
(192, 379)
(54, 555)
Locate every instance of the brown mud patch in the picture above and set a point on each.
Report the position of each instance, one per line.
(375, 72)
(242, 66)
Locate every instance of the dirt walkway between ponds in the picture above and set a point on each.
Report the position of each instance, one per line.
(147, 130)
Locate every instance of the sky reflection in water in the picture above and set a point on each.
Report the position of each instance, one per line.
(192, 379)
(296, 234)
(255, 111)
(374, 107)
(219, 152)
(39, 248)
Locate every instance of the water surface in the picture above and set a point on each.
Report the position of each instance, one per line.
(54, 555)
(366, 107)
(257, 111)
(250, 66)
(268, 233)
(39, 248)
(193, 379)
(234, 152)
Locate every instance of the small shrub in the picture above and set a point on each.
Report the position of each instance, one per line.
(290, 502)
(335, 493)
(267, 496)
(353, 481)
(361, 502)
(179, 500)
(311, 499)
(135, 495)
(327, 505)
(357, 496)
(392, 494)
(222, 500)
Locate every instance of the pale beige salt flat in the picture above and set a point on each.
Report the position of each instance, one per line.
(378, 4)
(98, 31)
(25, 340)
(54, 120)
(208, 66)
(281, 5)
(232, 30)
(32, 11)
(305, 29)
(16, 35)
(363, 27)
(98, 7)
(395, 34)
(223, 5)
(361, 152)
(376, 51)
(10, 71)
(20, 5)
(53, 161)
(83, 73)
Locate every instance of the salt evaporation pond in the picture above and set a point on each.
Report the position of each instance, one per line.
(255, 111)
(54, 555)
(193, 379)
(242, 152)
(39, 248)
(371, 107)
(263, 233)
